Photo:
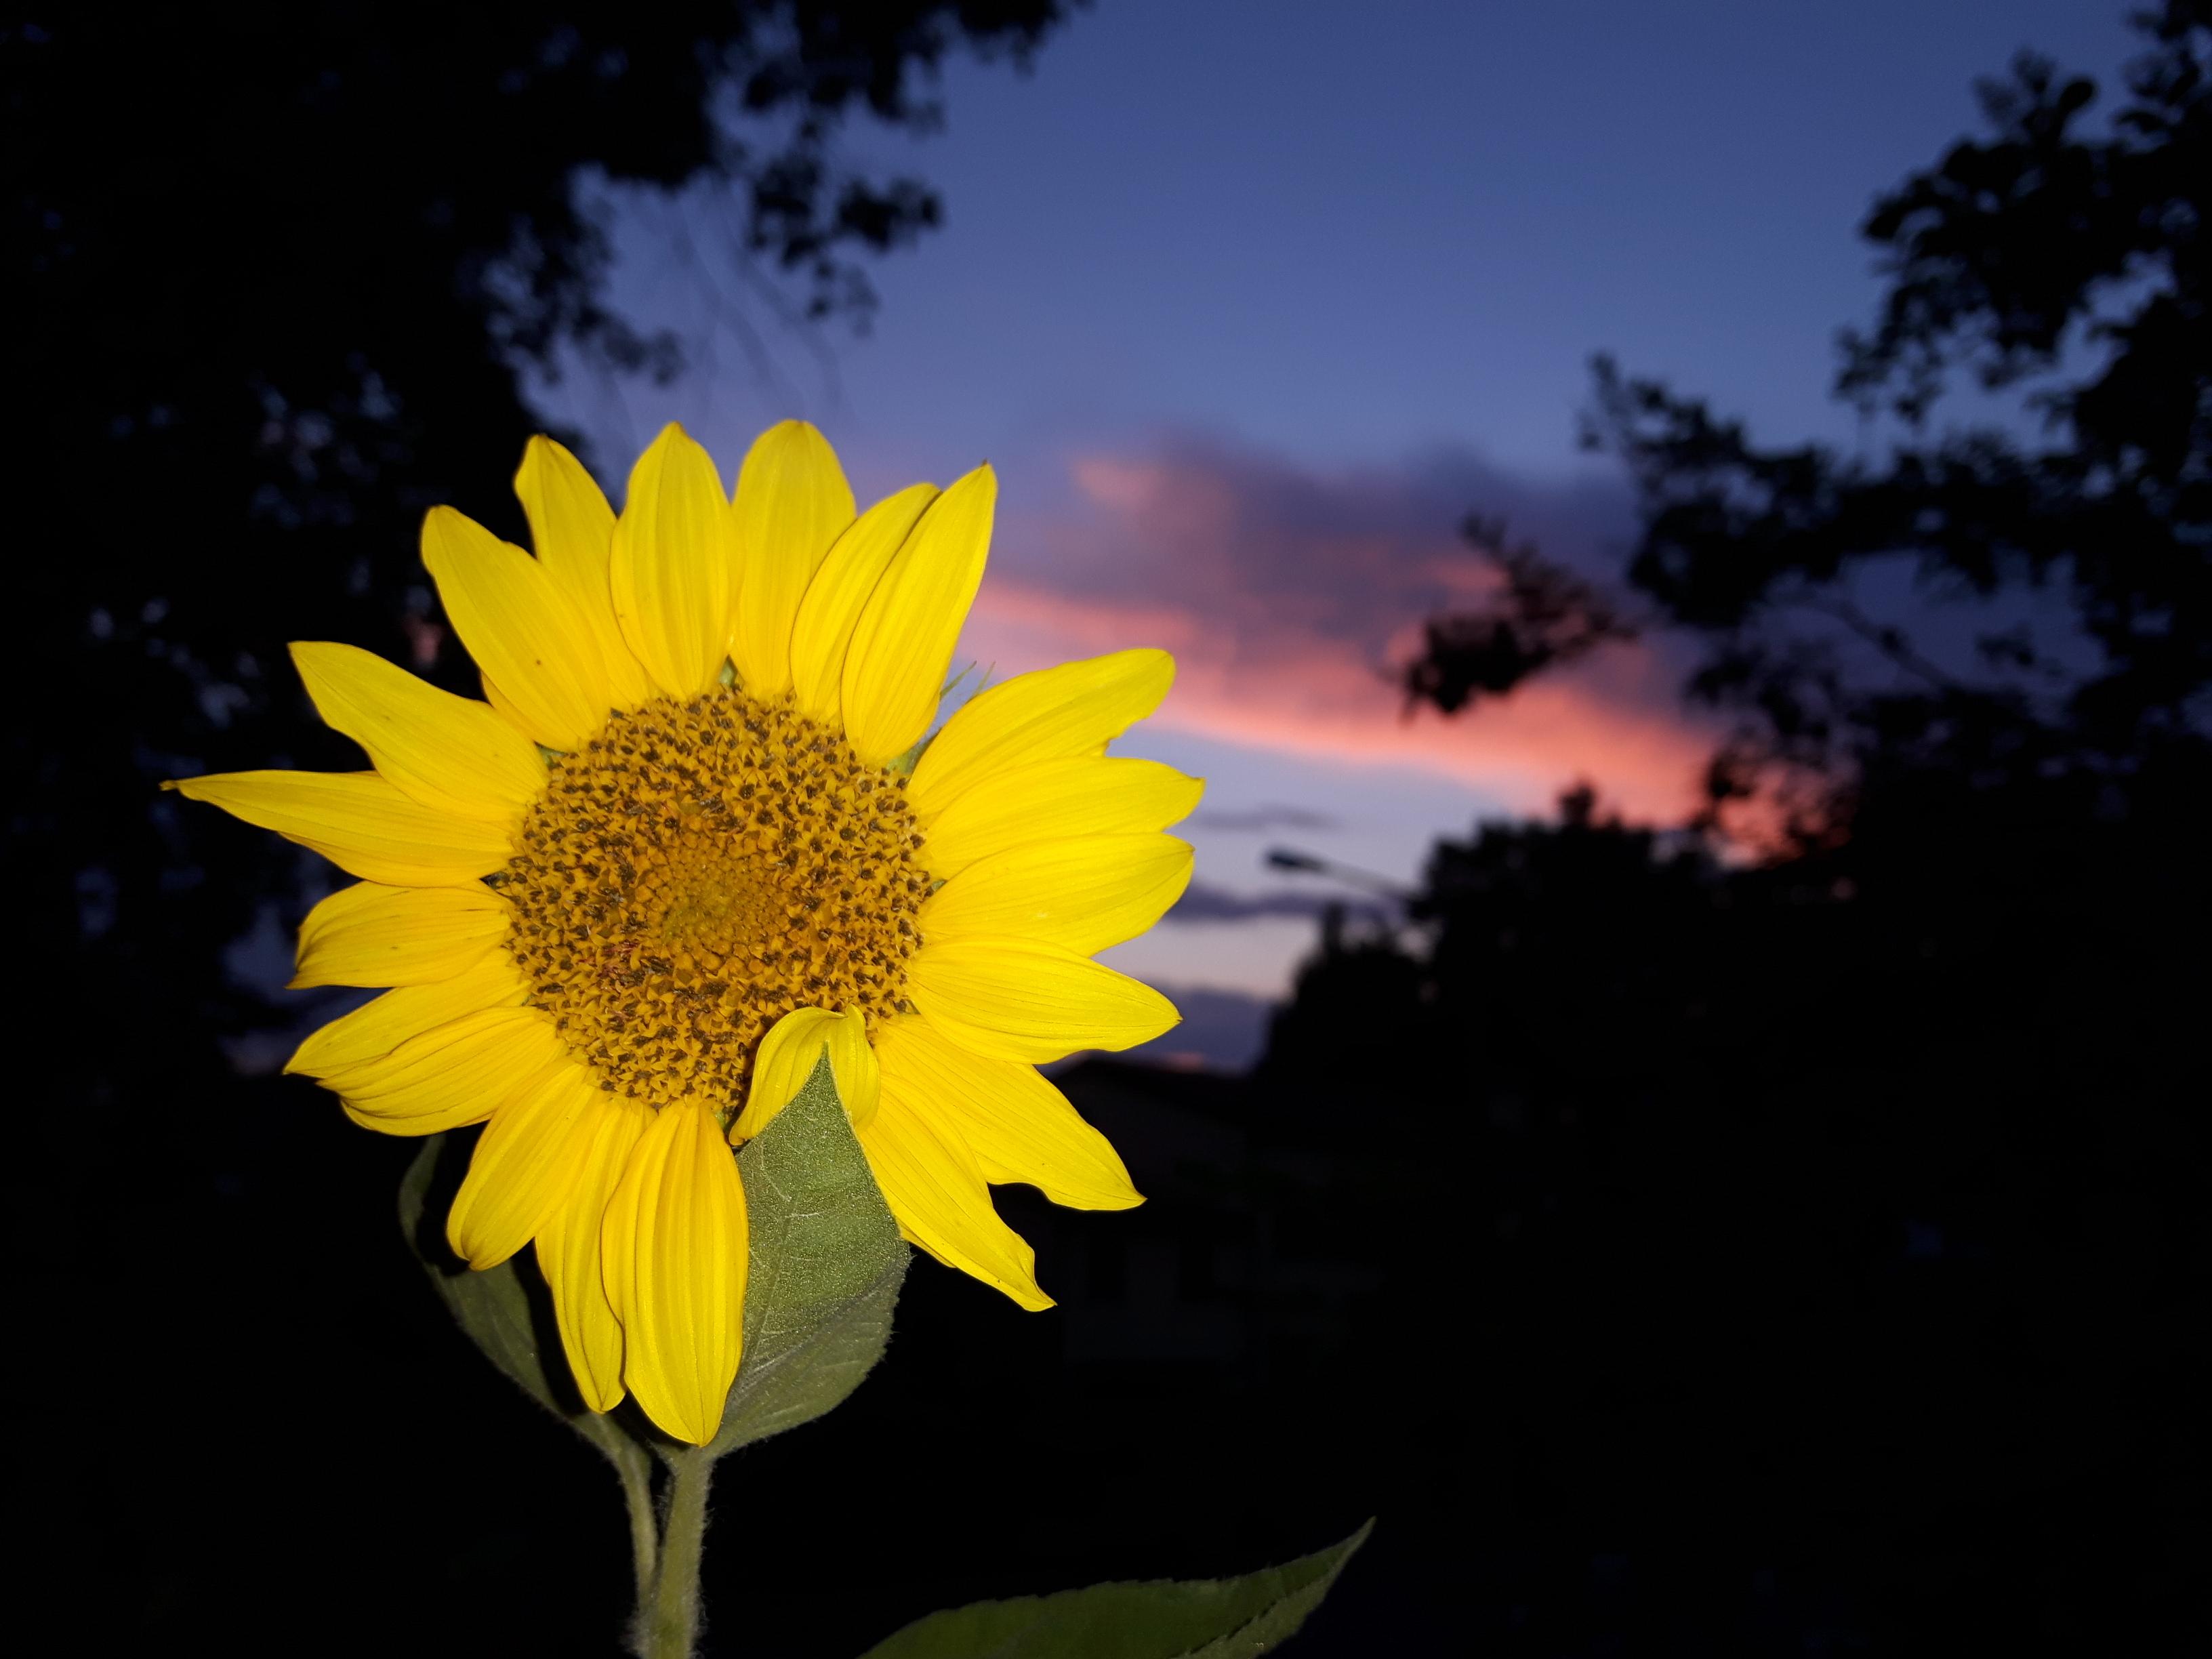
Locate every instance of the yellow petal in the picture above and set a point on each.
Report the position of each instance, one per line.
(791, 502)
(573, 529)
(1015, 999)
(1051, 714)
(902, 644)
(673, 1250)
(446, 752)
(839, 592)
(1085, 795)
(788, 1056)
(1019, 1126)
(522, 628)
(524, 1163)
(568, 1251)
(360, 823)
(379, 1026)
(1084, 894)
(934, 1187)
(370, 934)
(460, 1072)
(503, 706)
(571, 526)
(674, 565)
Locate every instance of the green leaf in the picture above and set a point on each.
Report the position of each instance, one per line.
(1204, 1619)
(494, 1309)
(827, 1264)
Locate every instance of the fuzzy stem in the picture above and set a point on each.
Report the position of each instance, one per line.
(636, 1472)
(669, 1625)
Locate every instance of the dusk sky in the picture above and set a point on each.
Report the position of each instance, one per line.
(1249, 303)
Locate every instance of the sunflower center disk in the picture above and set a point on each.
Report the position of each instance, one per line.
(695, 872)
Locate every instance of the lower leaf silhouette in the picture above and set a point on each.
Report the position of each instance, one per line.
(492, 1308)
(1162, 1618)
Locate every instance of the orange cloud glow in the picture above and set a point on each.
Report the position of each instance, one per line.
(1290, 595)
(1301, 693)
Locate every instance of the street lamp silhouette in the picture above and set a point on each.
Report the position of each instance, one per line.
(1313, 864)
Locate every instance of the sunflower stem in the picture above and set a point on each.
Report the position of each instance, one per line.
(668, 1624)
(636, 1472)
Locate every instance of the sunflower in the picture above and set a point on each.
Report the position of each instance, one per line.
(694, 841)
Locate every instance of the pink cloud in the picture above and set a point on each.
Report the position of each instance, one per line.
(1287, 598)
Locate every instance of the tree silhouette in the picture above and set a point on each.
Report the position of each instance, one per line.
(1830, 1218)
(1542, 616)
(2068, 267)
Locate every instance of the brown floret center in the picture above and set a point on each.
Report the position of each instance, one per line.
(698, 871)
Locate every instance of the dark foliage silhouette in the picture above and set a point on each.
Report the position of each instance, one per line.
(1543, 616)
(1837, 1220)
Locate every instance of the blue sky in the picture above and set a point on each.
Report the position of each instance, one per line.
(1284, 289)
